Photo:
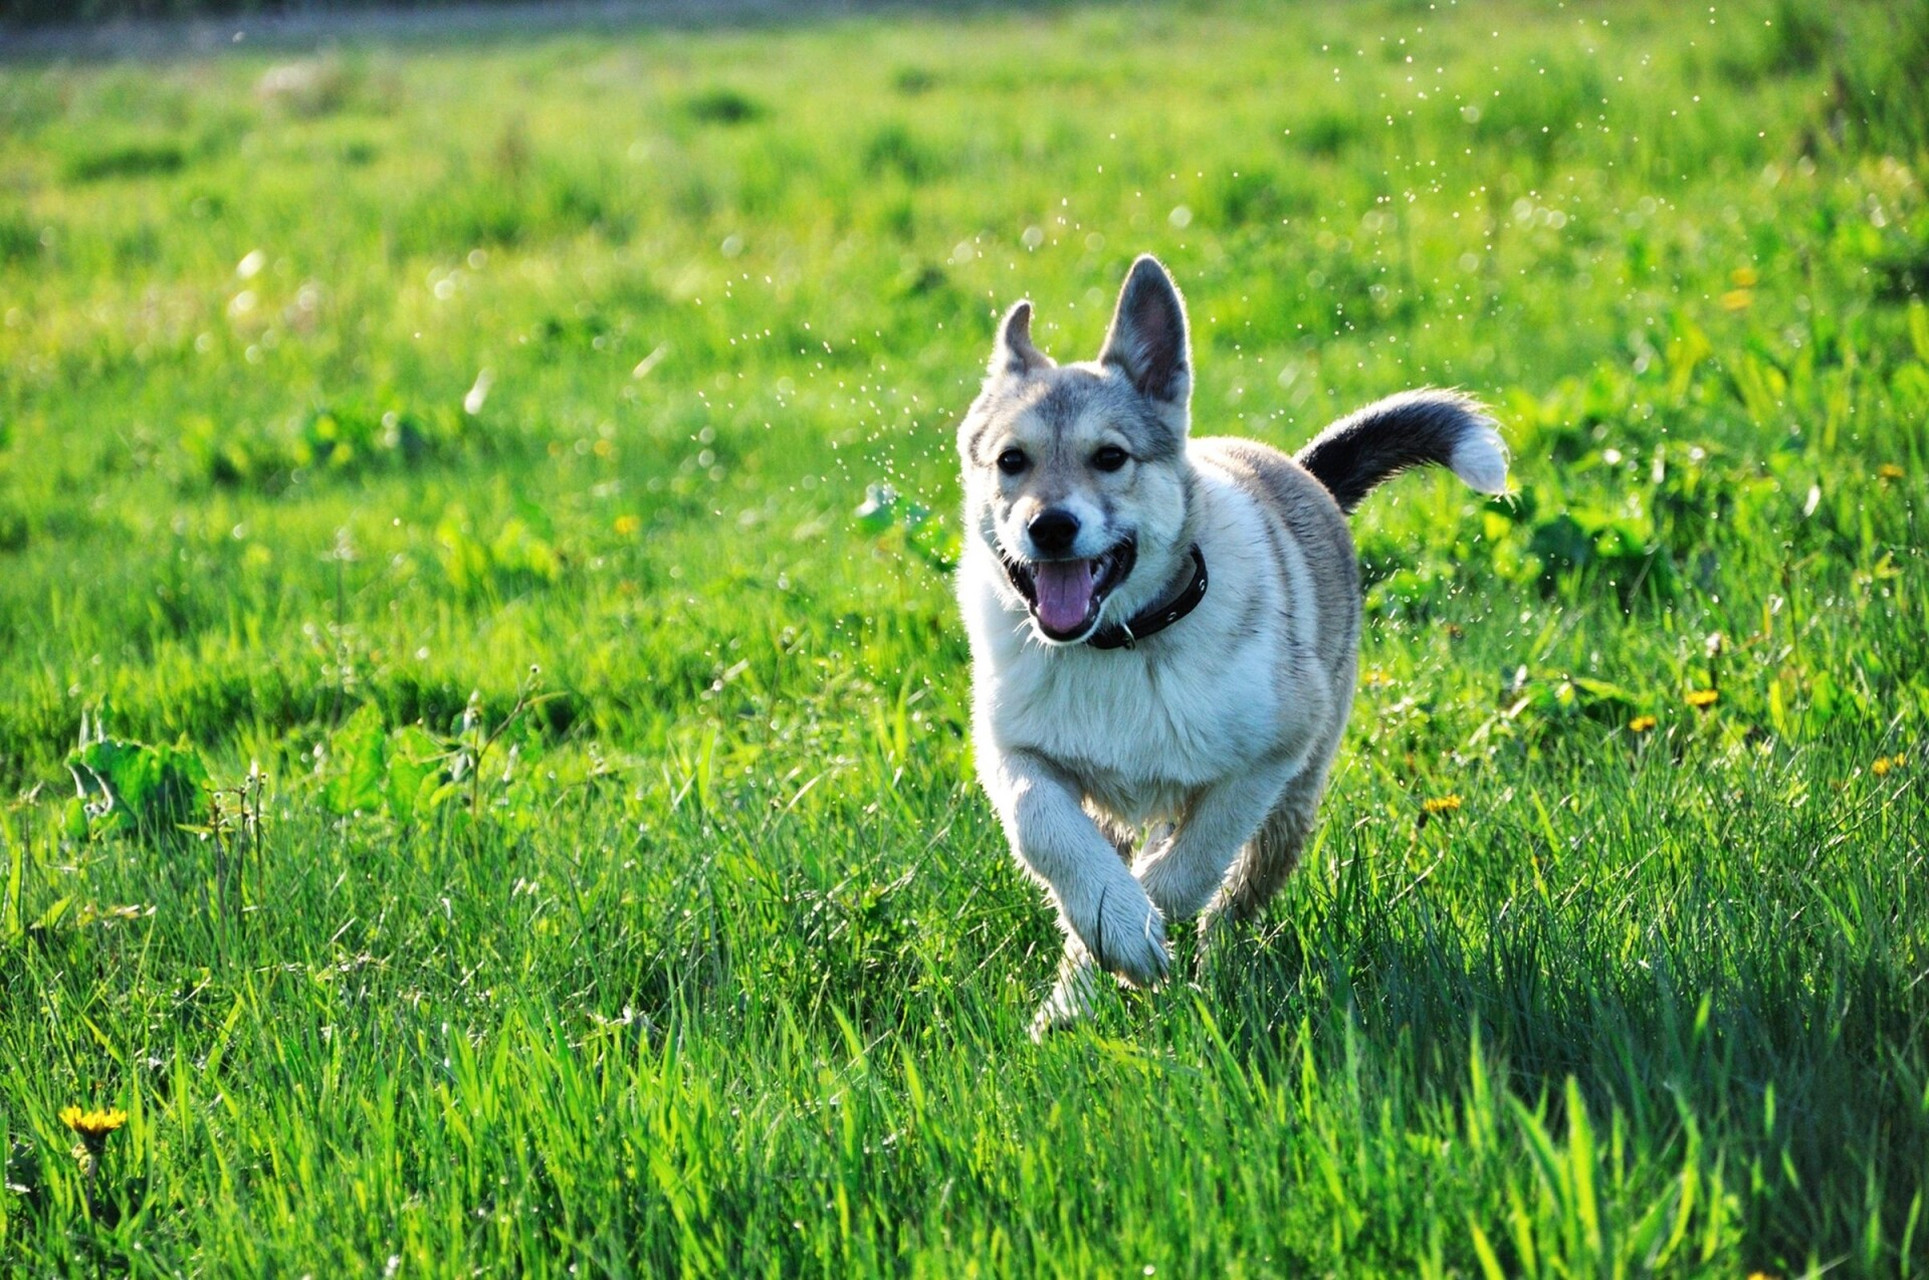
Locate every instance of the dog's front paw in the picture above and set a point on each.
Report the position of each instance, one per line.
(1124, 932)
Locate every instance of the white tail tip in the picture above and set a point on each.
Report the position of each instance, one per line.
(1480, 459)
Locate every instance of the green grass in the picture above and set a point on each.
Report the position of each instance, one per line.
(367, 416)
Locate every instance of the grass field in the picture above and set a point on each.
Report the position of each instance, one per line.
(482, 514)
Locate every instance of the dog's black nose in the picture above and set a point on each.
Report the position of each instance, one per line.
(1053, 531)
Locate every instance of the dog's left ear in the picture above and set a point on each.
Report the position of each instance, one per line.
(1147, 341)
(1013, 354)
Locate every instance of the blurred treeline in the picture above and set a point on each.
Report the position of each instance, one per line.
(46, 12)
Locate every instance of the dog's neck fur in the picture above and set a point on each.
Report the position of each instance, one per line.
(1163, 572)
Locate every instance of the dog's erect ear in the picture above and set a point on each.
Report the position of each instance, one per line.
(1147, 341)
(1013, 355)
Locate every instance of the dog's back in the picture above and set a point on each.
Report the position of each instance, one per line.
(1309, 517)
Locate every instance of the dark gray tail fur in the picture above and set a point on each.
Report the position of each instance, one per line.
(1412, 429)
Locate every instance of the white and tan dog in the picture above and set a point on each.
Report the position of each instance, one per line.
(1164, 631)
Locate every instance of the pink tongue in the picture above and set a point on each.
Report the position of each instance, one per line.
(1064, 590)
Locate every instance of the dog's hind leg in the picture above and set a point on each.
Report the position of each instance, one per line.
(1268, 859)
(1263, 866)
(1183, 872)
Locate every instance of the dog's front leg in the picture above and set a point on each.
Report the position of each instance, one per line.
(1180, 874)
(1106, 914)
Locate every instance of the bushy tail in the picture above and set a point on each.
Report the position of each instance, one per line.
(1412, 429)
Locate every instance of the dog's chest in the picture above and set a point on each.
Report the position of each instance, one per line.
(1139, 734)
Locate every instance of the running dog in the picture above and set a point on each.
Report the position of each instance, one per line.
(1164, 631)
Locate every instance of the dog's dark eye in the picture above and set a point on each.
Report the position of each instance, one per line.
(1012, 461)
(1110, 458)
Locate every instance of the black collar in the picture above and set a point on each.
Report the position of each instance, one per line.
(1151, 621)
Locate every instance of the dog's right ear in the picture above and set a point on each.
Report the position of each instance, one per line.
(1013, 355)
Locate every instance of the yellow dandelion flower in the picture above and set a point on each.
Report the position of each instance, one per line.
(1737, 300)
(1641, 724)
(1890, 471)
(1880, 767)
(1441, 804)
(1744, 277)
(1701, 699)
(628, 525)
(93, 1126)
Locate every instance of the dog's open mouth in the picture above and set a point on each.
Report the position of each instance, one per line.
(1065, 595)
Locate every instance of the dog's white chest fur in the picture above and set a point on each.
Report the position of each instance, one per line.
(1137, 732)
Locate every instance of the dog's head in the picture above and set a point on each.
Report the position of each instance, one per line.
(1075, 476)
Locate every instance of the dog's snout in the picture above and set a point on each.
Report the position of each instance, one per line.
(1053, 531)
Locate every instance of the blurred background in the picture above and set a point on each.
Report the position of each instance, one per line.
(327, 355)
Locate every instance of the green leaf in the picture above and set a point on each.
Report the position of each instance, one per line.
(133, 788)
(1484, 1251)
(16, 881)
(356, 757)
(1580, 1158)
(1919, 329)
(51, 916)
(73, 819)
(415, 772)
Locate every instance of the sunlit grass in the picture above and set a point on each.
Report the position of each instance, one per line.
(457, 454)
